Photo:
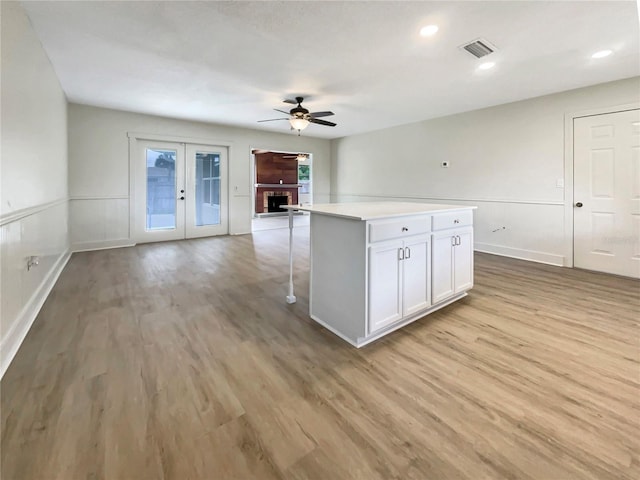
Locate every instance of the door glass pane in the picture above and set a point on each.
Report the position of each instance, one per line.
(304, 178)
(207, 196)
(161, 189)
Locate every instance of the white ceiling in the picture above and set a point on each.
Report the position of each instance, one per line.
(233, 62)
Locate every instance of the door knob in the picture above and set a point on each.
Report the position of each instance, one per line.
(181, 191)
(182, 198)
(579, 204)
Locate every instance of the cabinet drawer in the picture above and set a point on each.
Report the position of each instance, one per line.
(452, 220)
(396, 228)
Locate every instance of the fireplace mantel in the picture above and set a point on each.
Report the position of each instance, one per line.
(278, 185)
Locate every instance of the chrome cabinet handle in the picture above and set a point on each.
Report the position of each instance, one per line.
(401, 254)
(407, 252)
(453, 241)
(456, 221)
(405, 229)
(458, 240)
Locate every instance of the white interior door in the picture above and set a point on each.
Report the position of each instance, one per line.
(180, 191)
(607, 193)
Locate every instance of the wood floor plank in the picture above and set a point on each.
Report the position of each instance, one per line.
(181, 360)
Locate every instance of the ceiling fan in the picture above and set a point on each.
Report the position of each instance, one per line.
(300, 157)
(299, 117)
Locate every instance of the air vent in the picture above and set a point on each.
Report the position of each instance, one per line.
(479, 48)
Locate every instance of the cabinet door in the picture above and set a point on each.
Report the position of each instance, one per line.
(415, 275)
(463, 261)
(385, 284)
(442, 266)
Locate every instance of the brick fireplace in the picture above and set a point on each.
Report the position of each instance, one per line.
(273, 199)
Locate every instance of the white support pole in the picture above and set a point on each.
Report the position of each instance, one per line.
(291, 298)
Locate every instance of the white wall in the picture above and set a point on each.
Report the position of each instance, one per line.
(505, 159)
(99, 168)
(33, 178)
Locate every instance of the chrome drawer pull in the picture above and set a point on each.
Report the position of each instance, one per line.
(405, 229)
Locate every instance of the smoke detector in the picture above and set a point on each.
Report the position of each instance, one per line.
(479, 48)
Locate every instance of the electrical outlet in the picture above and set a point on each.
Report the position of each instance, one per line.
(444, 164)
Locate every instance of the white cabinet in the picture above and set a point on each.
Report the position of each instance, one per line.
(371, 264)
(398, 280)
(452, 262)
(385, 284)
(416, 270)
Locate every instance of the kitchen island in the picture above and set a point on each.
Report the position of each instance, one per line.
(377, 266)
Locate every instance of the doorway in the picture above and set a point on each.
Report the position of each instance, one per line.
(607, 192)
(180, 191)
(281, 178)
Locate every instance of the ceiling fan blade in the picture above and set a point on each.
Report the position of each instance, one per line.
(282, 111)
(322, 122)
(321, 114)
(272, 120)
(292, 102)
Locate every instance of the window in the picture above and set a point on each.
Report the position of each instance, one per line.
(304, 172)
(304, 178)
(209, 165)
(207, 189)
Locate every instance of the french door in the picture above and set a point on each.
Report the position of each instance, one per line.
(181, 191)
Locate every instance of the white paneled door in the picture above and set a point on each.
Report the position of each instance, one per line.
(181, 191)
(607, 193)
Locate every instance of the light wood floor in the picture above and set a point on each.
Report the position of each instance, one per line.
(182, 361)
(282, 221)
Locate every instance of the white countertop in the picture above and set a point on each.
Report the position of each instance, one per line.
(374, 210)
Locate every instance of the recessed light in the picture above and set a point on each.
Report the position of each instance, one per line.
(486, 65)
(428, 30)
(602, 54)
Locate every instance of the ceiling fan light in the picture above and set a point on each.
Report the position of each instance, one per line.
(299, 123)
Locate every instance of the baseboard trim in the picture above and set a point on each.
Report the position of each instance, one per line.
(102, 245)
(20, 328)
(530, 255)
